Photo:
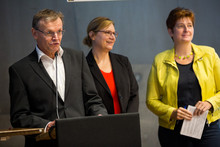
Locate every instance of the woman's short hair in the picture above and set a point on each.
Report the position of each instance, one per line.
(47, 15)
(177, 14)
(96, 25)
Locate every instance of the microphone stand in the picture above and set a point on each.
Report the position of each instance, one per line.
(57, 107)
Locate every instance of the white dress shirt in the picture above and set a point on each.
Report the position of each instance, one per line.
(50, 66)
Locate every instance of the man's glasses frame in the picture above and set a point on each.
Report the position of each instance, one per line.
(51, 34)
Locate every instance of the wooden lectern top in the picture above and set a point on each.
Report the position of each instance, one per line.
(4, 134)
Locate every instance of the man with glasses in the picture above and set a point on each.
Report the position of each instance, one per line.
(51, 82)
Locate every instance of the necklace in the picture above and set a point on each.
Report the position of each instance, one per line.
(183, 57)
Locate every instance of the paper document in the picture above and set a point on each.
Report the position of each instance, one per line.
(194, 127)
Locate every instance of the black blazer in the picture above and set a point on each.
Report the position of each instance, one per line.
(125, 81)
(32, 91)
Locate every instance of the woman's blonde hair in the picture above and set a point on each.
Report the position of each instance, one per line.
(96, 25)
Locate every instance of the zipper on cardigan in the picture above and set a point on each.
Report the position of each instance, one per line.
(207, 122)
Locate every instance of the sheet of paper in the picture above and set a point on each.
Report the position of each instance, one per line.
(195, 126)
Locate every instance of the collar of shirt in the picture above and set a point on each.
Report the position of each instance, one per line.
(42, 54)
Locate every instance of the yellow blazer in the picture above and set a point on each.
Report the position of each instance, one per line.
(163, 81)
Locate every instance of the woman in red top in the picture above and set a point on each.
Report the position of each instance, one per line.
(112, 73)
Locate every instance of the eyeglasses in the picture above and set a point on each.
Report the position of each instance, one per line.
(109, 33)
(51, 34)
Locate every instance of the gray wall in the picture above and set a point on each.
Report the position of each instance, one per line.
(142, 34)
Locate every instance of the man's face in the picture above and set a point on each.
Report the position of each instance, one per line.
(49, 36)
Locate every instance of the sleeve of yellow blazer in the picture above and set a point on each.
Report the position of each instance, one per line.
(154, 94)
(215, 100)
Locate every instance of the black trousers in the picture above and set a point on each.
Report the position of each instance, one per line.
(172, 138)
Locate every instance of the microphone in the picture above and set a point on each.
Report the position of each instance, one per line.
(57, 107)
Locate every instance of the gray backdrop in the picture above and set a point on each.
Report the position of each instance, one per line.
(142, 34)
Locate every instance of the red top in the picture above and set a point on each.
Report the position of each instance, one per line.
(109, 78)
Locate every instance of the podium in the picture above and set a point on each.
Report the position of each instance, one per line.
(97, 131)
(117, 130)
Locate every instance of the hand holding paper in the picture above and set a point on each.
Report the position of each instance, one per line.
(194, 127)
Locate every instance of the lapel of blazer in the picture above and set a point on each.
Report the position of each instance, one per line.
(40, 70)
(67, 66)
(96, 71)
(117, 72)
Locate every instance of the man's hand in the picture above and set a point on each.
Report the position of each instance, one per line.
(50, 124)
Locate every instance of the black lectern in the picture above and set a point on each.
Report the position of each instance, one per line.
(120, 130)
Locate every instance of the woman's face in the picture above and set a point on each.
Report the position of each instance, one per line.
(183, 31)
(104, 39)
